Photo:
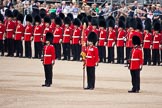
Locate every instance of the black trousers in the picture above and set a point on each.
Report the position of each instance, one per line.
(48, 74)
(10, 47)
(1, 47)
(76, 52)
(66, 50)
(91, 77)
(147, 56)
(5, 45)
(28, 50)
(38, 49)
(161, 55)
(57, 50)
(102, 53)
(120, 55)
(18, 48)
(155, 56)
(128, 52)
(135, 74)
(110, 54)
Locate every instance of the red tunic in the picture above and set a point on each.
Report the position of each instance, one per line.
(57, 35)
(53, 26)
(85, 34)
(67, 35)
(156, 41)
(47, 29)
(147, 40)
(49, 54)
(37, 33)
(96, 31)
(28, 32)
(139, 34)
(76, 36)
(2, 30)
(102, 37)
(92, 56)
(111, 38)
(136, 58)
(129, 39)
(10, 29)
(120, 38)
(19, 32)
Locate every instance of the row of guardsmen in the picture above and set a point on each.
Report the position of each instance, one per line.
(68, 34)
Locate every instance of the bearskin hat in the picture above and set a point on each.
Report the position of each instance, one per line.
(101, 17)
(111, 23)
(136, 40)
(58, 21)
(139, 24)
(42, 13)
(62, 16)
(128, 22)
(148, 25)
(29, 18)
(92, 37)
(121, 24)
(20, 17)
(157, 26)
(85, 20)
(80, 17)
(89, 17)
(83, 15)
(70, 15)
(37, 19)
(67, 20)
(52, 15)
(76, 22)
(8, 13)
(122, 18)
(94, 22)
(49, 37)
(1, 17)
(133, 23)
(111, 18)
(47, 19)
(102, 23)
(15, 13)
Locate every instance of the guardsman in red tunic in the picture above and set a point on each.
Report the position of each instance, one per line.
(37, 37)
(135, 64)
(28, 36)
(102, 40)
(53, 25)
(70, 15)
(66, 39)
(111, 40)
(92, 59)
(89, 17)
(19, 34)
(42, 14)
(156, 43)
(76, 40)
(2, 31)
(47, 28)
(48, 59)
(132, 26)
(120, 41)
(10, 30)
(58, 37)
(139, 29)
(147, 42)
(95, 25)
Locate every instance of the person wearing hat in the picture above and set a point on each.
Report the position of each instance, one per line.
(120, 41)
(147, 41)
(111, 39)
(37, 37)
(66, 38)
(19, 34)
(156, 43)
(2, 31)
(48, 59)
(102, 40)
(94, 23)
(92, 59)
(58, 37)
(52, 17)
(28, 35)
(70, 15)
(135, 64)
(47, 28)
(76, 40)
(89, 17)
(10, 30)
(139, 29)
(42, 14)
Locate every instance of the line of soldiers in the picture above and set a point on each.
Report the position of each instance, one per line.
(68, 34)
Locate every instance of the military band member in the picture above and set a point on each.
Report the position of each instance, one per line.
(156, 43)
(120, 41)
(135, 64)
(28, 35)
(37, 37)
(19, 34)
(48, 59)
(76, 40)
(92, 59)
(58, 37)
(66, 39)
(102, 40)
(147, 42)
(2, 31)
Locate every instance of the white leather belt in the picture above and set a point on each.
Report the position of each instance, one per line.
(18, 32)
(47, 55)
(120, 39)
(88, 56)
(155, 41)
(101, 38)
(147, 41)
(56, 35)
(9, 29)
(66, 35)
(110, 39)
(76, 36)
(135, 59)
(27, 33)
(37, 34)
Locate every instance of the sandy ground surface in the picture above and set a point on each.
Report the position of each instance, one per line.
(21, 79)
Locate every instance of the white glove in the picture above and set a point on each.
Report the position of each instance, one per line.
(60, 41)
(140, 67)
(53, 62)
(125, 39)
